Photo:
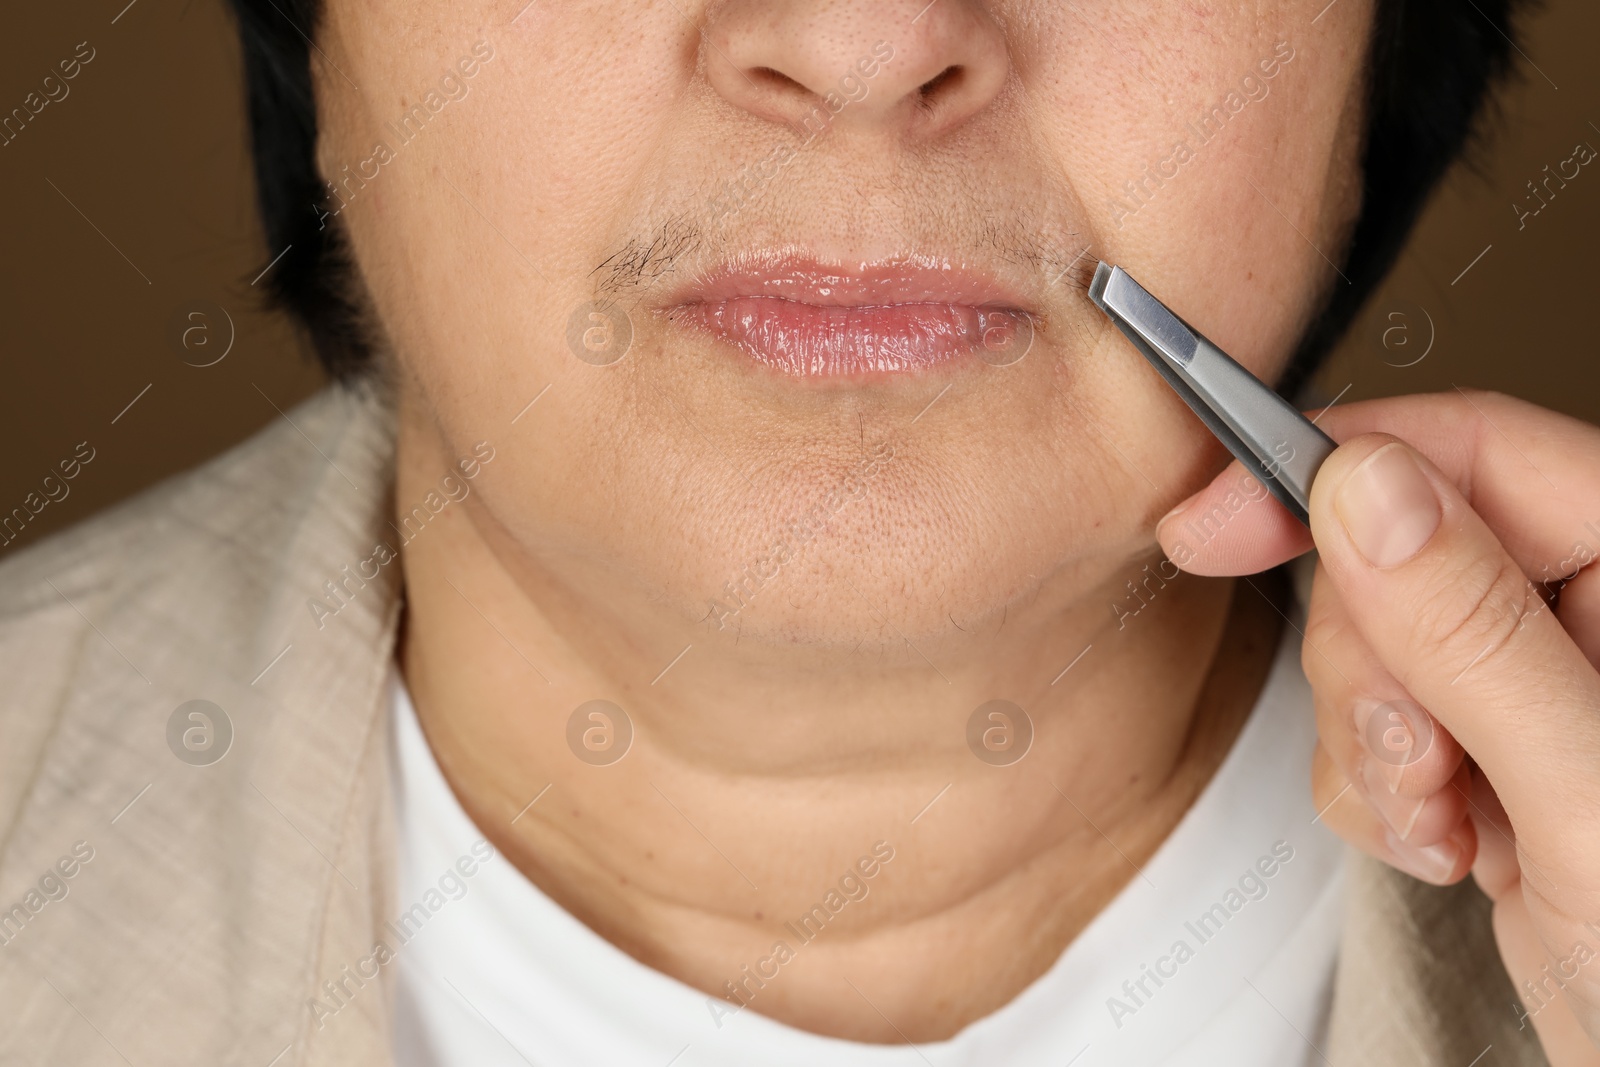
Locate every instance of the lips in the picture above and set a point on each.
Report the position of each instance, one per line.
(807, 319)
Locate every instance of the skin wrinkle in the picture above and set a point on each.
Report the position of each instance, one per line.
(620, 505)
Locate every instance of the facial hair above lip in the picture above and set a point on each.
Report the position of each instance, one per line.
(682, 247)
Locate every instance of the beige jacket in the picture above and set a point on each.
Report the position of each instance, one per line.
(215, 900)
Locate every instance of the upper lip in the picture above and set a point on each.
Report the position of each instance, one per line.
(806, 279)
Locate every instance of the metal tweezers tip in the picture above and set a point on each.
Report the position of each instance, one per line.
(1097, 287)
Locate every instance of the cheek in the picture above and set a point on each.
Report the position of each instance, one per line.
(1231, 209)
(480, 239)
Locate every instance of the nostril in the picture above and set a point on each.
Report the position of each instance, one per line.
(780, 62)
(940, 84)
(768, 78)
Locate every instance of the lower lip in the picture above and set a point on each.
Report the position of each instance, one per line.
(820, 341)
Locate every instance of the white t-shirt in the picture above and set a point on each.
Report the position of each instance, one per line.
(1237, 914)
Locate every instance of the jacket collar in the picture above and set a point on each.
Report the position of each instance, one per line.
(220, 896)
(1420, 979)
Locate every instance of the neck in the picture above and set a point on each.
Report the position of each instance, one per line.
(827, 801)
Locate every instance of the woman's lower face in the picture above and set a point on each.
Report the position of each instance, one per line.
(774, 316)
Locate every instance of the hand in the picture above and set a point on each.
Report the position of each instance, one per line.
(1452, 644)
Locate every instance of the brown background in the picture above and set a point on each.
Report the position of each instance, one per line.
(149, 150)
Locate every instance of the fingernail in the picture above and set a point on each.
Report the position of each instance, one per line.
(1388, 506)
(1400, 812)
(1432, 863)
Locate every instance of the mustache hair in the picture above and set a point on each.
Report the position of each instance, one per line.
(644, 260)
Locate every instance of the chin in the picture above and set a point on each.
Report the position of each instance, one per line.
(930, 542)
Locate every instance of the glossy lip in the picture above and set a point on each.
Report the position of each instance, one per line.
(807, 318)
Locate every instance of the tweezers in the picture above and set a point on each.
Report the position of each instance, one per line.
(1263, 431)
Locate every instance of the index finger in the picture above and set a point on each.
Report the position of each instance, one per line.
(1452, 617)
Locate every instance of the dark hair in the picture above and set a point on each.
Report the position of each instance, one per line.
(1432, 68)
(315, 280)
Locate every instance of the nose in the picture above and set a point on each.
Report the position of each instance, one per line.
(905, 67)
